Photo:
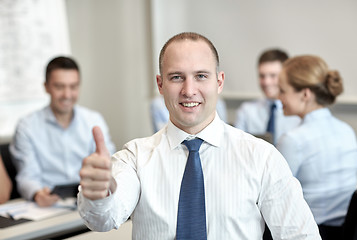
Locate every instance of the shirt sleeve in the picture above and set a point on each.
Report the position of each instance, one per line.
(96, 214)
(24, 156)
(108, 213)
(282, 203)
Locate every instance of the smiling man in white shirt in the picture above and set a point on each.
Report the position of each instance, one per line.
(247, 182)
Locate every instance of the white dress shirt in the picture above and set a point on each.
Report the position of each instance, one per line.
(253, 116)
(246, 180)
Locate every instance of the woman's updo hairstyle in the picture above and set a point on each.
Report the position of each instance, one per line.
(312, 72)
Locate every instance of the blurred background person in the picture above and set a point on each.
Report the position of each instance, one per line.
(266, 115)
(322, 151)
(49, 144)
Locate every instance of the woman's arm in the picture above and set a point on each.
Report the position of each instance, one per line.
(6, 184)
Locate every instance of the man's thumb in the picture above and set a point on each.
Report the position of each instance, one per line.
(99, 142)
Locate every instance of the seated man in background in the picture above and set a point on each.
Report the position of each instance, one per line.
(266, 115)
(160, 114)
(6, 185)
(49, 144)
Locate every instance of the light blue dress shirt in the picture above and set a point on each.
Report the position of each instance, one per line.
(322, 154)
(46, 154)
(160, 114)
(253, 116)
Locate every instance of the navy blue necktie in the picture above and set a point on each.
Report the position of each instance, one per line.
(271, 122)
(191, 216)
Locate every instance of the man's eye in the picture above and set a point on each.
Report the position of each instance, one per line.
(59, 87)
(201, 76)
(74, 87)
(176, 78)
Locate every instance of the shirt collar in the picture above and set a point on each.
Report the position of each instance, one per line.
(50, 116)
(317, 114)
(211, 134)
(277, 102)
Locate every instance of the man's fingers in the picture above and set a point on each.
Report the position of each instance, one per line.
(94, 189)
(44, 199)
(96, 161)
(46, 190)
(94, 195)
(99, 173)
(96, 169)
(94, 186)
(99, 142)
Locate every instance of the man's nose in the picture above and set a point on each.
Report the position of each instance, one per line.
(263, 78)
(189, 87)
(67, 92)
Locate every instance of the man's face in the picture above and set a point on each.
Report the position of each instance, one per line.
(190, 84)
(269, 78)
(63, 87)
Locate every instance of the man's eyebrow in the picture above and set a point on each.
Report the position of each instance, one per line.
(196, 72)
(174, 73)
(203, 71)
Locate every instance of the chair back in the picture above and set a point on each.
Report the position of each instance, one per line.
(350, 225)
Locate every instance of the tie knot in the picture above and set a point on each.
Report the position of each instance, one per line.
(273, 106)
(194, 144)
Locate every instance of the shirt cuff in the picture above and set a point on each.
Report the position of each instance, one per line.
(94, 206)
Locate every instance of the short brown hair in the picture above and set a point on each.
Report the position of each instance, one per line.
(60, 63)
(272, 55)
(190, 36)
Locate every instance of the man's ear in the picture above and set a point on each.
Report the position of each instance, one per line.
(220, 81)
(159, 83)
(45, 84)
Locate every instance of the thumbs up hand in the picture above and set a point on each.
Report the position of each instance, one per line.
(96, 177)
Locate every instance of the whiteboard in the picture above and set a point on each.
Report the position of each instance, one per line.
(31, 33)
(241, 30)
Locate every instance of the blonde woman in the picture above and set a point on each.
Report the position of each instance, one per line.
(322, 150)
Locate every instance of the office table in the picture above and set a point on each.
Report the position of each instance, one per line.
(57, 226)
(123, 233)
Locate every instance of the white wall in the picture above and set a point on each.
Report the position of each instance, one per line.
(241, 30)
(111, 41)
(31, 33)
(117, 43)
